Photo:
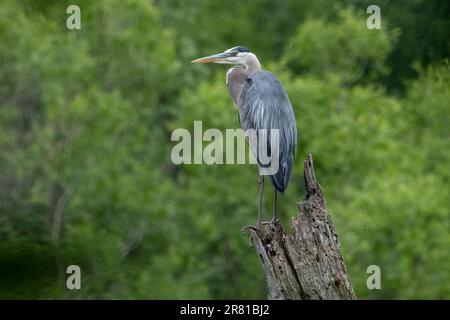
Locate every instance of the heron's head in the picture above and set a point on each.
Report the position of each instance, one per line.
(239, 56)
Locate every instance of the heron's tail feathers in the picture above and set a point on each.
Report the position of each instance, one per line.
(281, 179)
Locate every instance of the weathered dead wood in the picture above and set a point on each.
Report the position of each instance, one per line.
(306, 264)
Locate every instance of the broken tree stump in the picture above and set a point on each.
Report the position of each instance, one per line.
(306, 264)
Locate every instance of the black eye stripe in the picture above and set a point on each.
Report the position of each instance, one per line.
(241, 49)
(237, 50)
(232, 53)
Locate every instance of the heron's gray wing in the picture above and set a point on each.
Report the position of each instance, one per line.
(264, 104)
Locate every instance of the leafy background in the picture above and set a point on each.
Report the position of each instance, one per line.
(85, 124)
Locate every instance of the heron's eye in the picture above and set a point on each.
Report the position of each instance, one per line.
(235, 53)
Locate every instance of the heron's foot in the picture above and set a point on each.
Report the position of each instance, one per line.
(257, 227)
(274, 220)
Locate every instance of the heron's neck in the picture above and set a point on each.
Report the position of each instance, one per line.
(241, 72)
(237, 75)
(252, 66)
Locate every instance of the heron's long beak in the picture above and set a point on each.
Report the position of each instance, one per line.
(216, 58)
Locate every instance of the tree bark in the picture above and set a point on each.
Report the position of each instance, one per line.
(306, 264)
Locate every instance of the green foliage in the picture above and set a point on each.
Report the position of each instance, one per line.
(344, 48)
(85, 124)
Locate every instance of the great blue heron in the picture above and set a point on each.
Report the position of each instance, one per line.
(263, 104)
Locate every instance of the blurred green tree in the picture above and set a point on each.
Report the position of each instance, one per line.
(85, 122)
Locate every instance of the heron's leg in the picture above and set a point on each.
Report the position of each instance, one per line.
(260, 199)
(274, 212)
(260, 206)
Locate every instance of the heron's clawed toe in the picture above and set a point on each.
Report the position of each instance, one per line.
(255, 228)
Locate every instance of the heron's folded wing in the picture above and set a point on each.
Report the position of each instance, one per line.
(263, 104)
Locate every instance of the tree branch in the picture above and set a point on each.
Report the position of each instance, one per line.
(306, 264)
